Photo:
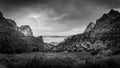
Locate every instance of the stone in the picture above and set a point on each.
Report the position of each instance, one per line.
(26, 30)
(89, 27)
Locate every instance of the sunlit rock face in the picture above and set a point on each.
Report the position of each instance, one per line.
(104, 35)
(26, 30)
(89, 27)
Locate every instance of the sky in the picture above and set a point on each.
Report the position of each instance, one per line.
(56, 17)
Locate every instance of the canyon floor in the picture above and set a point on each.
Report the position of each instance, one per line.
(58, 60)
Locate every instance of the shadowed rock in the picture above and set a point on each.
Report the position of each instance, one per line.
(104, 22)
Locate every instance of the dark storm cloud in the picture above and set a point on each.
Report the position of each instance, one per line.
(107, 3)
(73, 13)
(61, 6)
(76, 9)
(21, 2)
(17, 4)
(52, 3)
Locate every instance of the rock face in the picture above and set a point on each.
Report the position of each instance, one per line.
(89, 27)
(14, 39)
(26, 30)
(104, 22)
(12, 23)
(103, 36)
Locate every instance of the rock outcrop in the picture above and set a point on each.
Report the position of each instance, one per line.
(26, 30)
(104, 22)
(89, 27)
(103, 36)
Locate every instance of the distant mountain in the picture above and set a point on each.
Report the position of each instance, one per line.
(55, 36)
(104, 35)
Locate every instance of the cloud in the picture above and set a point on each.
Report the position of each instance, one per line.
(107, 3)
(63, 17)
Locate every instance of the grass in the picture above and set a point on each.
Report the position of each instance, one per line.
(57, 60)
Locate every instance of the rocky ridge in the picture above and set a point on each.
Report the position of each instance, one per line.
(105, 35)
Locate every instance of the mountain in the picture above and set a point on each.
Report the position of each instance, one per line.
(14, 39)
(105, 22)
(104, 35)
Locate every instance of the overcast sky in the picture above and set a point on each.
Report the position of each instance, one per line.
(56, 17)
